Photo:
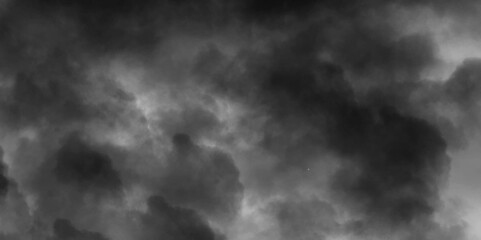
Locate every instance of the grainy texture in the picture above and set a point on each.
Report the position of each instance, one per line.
(239, 120)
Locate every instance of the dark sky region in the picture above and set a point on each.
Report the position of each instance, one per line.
(240, 120)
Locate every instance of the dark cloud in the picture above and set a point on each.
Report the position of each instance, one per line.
(261, 11)
(312, 219)
(164, 221)
(28, 93)
(201, 178)
(463, 85)
(269, 9)
(393, 161)
(80, 165)
(64, 230)
(191, 120)
(4, 182)
(134, 27)
(68, 177)
(397, 162)
(377, 53)
(457, 100)
(3, 185)
(47, 92)
(318, 82)
(102, 26)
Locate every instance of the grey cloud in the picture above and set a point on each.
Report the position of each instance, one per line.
(169, 222)
(318, 81)
(64, 230)
(78, 164)
(200, 178)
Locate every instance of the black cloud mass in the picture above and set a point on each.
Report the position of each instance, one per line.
(64, 230)
(79, 165)
(168, 222)
(235, 120)
(3, 179)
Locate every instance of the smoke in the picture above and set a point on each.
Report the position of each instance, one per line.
(230, 119)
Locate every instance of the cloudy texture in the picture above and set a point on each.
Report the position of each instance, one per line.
(239, 120)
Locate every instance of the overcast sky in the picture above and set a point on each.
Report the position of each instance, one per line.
(240, 120)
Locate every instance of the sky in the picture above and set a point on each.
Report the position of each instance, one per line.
(240, 120)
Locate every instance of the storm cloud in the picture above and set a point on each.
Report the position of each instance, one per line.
(168, 222)
(240, 120)
(64, 229)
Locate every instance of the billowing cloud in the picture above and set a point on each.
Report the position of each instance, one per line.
(168, 222)
(310, 219)
(79, 165)
(63, 229)
(4, 183)
(204, 179)
(215, 119)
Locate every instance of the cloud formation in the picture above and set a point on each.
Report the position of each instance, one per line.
(212, 119)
